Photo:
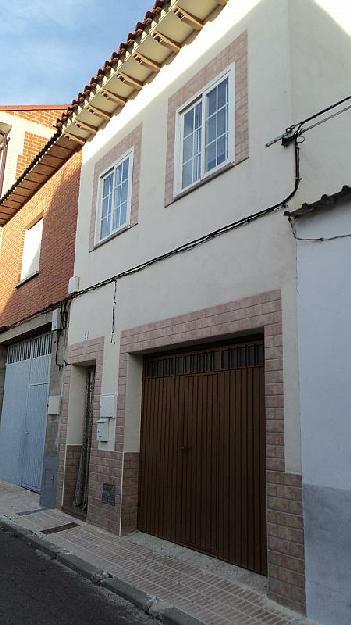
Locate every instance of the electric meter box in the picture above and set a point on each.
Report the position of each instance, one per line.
(102, 430)
(107, 406)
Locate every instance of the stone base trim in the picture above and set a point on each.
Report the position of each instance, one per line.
(71, 473)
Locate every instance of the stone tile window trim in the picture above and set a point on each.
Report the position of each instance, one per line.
(284, 513)
(205, 132)
(130, 145)
(114, 198)
(235, 54)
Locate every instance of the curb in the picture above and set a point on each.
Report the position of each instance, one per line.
(149, 604)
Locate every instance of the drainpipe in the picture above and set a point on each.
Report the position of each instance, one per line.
(4, 141)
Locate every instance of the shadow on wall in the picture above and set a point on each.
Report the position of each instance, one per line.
(57, 203)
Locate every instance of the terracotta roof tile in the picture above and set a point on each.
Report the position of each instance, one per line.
(326, 201)
(115, 56)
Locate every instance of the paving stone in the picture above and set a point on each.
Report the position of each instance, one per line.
(181, 587)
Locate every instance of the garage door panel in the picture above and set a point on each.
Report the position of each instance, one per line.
(23, 419)
(13, 421)
(202, 452)
(34, 438)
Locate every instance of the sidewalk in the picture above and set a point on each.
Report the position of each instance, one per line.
(210, 597)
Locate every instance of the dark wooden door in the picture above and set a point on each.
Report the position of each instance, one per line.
(202, 477)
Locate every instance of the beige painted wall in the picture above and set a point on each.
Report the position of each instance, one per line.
(253, 259)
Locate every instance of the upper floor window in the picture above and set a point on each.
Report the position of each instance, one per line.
(31, 250)
(115, 197)
(206, 132)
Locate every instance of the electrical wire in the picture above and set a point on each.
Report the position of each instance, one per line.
(190, 245)
(335, 237)
(203, 239)
(294, 129)
(112, 340)
(292, 133)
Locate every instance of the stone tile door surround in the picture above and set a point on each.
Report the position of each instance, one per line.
(285, 540)
(104, 465)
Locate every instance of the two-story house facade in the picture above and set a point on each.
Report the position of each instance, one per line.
(181, 401)
(38, 211)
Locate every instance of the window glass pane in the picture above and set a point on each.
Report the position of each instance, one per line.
(191, 149)
(223, 93)
(118, 174)
(212, 101)
(211, 129)
(188, 122)
(187, 177)
(125, 166)
(197, 142)
(105, 207)
(105, 228)
(120, 195)
(197, 168)
(107, 185)
(221, 149)
(116, 218)
(221, 122)
(198, 115)
(216, 149)
(123, 216)
(188, 148)
(211, 157)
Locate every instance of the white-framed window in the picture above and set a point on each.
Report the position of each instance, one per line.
(205, 139)
(31, 250)
(114, 198)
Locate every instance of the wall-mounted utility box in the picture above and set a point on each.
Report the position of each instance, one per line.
(56, 321)
(102, 430)
(54, 404)
(107, 406)
(73, 284)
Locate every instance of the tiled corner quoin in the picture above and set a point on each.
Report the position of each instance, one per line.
(131, 141)
(104, 465)
(285, 538)
(236, 52)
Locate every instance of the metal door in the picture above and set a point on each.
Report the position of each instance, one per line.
(35, 423)
(202, 480)
(23, 419)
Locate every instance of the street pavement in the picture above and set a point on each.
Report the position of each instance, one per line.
(35, 590)
(158, 575)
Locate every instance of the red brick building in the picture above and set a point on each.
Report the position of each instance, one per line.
(38, 213)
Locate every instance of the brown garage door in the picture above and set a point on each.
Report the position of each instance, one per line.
(202, 477)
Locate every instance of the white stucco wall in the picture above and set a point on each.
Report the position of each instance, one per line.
(325, 371)
(320, 44)
(251, 260)
(324, 302)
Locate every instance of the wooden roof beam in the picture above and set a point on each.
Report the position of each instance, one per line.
(74, 138)
(128, 80)
(110, 95)
(166, 42)
(143, 60)
(188, 18)
(98, 112)
(84, 126)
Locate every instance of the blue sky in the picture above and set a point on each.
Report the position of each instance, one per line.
(49, 49)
